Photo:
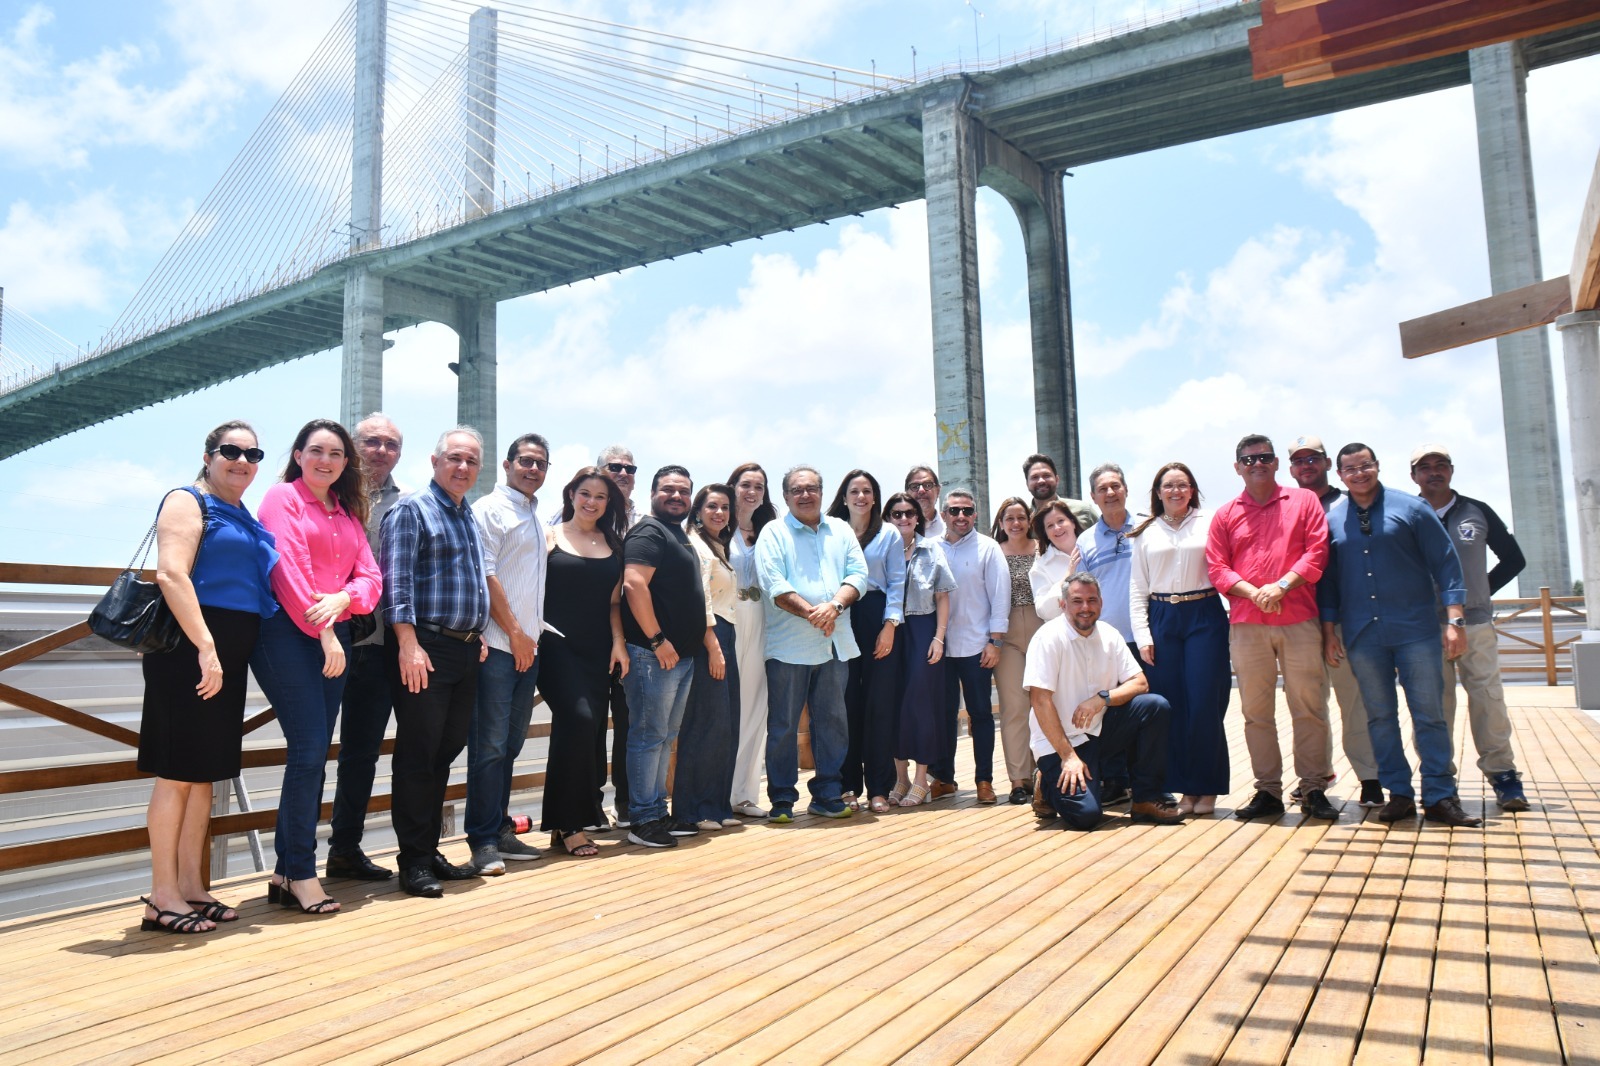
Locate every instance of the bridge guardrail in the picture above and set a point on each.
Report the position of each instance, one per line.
(1550, 609)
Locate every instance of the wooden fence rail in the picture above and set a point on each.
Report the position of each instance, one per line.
(103, 771)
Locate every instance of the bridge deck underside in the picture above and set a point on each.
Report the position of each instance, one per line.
(1172, 84)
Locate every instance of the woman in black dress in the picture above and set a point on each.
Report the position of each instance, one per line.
(580, 651)
(213, 562)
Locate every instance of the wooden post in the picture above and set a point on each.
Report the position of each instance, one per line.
(1549, 637)
(214, 860)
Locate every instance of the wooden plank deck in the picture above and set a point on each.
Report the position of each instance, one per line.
(949, 933)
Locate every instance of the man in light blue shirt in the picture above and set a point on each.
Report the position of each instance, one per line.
(811, 570)
(980, 614)
(1106, 551)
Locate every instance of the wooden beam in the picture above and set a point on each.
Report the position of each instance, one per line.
(1586, 253)
(1361, 52)
(51, 709)
(35, 648)
(1481, 320)
(53, 574)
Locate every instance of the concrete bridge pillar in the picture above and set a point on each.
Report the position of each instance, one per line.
(476, 368)
(1035, 194)
(950, 162)
(361, 389)
(1527, 387)
(1580, 347)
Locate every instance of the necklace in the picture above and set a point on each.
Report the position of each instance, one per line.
(1174, 522)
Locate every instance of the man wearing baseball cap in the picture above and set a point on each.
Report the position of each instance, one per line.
(1309, 465)
(1476, 530)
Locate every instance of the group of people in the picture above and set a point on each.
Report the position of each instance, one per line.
(703, 628)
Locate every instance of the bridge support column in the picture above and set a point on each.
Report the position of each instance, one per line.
(1035, 194)
(1580, 348)
(1527, 387)
(949, 152)
(476, 366)
(361, 390)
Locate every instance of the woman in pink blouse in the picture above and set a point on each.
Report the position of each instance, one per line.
(325, 573)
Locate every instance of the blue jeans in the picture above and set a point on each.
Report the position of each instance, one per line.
(1137, 731)
(288, 664)
(656, 701)
(791, 687)
(1419, 665)
(365, 719)
(499, 729)
(964, 675)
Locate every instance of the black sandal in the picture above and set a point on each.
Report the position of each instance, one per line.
(585, 850)
(180, 923)
(213, 910)
(284, 896)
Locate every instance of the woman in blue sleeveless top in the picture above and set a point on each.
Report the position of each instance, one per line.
(212, 567)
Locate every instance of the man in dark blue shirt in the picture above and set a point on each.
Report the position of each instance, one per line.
(1389, 552)
(436, 602)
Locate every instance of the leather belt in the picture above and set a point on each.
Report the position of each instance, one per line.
(1182, 597)
(751, 593)
(466, 636)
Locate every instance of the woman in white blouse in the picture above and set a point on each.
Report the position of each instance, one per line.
(702, 780)
(1182, 632)
(1055, 530)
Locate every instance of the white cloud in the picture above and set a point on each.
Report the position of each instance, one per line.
(54, 112)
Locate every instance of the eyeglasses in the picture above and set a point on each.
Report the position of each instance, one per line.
(622, 468)
(961, 512)
(1265, 459)
(1366, 521)
(232, 452)
(805, 490)
(1367, 467)
(1307, 460)
(382, 444)
(902, 514)
(922, 486)
(528, 462)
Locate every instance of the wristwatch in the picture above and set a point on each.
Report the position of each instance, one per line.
(656, 641)
(1283, 583)
(838, 607)
(1105, 694)
(1459, 623)
(996, 643)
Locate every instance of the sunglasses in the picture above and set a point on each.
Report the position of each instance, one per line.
(902, 514)
(232, 452)
(962, 512)
(528, 462)
(1258, 460)
(622, 468)
(1366, 521)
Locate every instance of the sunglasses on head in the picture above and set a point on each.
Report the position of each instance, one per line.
(622, 468)
(962, 512)
(232, 452)
(1254, 460)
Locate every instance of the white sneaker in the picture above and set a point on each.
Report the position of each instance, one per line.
(748, 809)
(709, 823)
(729, 823)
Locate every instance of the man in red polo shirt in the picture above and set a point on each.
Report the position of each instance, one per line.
(1266, 549)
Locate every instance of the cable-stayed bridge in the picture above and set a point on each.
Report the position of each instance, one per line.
(434, 157)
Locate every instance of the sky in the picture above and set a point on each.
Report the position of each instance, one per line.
(1246, 284)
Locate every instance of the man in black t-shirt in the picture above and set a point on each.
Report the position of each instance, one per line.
(663, 621)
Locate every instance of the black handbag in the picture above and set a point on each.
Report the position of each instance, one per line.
(133, 613)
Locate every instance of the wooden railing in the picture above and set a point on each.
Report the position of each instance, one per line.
(90, 845)
(1513, 660)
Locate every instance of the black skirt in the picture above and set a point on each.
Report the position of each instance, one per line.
(181, 736)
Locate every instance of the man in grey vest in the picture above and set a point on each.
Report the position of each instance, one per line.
(1476, 530)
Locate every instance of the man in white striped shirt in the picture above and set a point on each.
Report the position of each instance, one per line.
(514, 561)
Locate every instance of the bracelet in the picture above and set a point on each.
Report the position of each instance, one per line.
(939, 639)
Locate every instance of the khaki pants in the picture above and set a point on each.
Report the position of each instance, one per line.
(1478, 671)
(1352, 717)
(1014, 702)
(1260, 653)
